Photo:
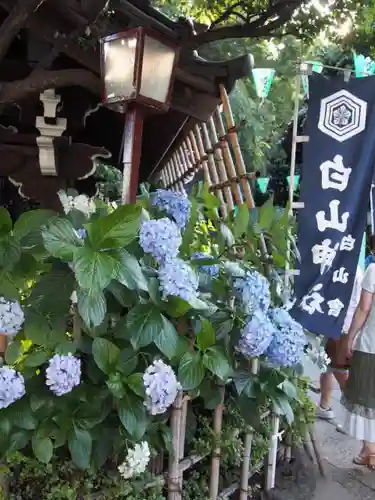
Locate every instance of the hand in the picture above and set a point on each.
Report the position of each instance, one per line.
(346, 349)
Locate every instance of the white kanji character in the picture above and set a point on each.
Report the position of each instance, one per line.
(312, 302)
(334, 223)
(323, 254)
(340, 275)
(347, 243)
(334, 174)
(335, 307)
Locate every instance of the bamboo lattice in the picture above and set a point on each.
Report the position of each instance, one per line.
(213, 148)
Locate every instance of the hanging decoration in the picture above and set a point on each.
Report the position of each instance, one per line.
(338, 170)
(317, 67)
(364, 66)
(263, 78)
(263, 183)
(296, 181)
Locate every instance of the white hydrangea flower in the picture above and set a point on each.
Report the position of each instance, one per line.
(82, 203)
(136, 460)
(11, 317)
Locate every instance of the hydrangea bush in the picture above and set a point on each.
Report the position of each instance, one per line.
(113, 311)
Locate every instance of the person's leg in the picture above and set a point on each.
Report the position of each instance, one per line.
(324, 409)
(341, 377)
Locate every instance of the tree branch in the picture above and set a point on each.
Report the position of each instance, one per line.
(263, 26)
(15, 22)
(11, 92)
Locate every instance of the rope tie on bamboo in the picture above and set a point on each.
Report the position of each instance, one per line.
(279, 435)
(232, 180)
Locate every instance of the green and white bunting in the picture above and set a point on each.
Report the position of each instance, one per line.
(364, 66)
(263, 78)
(317, 67)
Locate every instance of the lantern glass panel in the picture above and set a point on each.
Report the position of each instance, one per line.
(119, 63)
(157, 67)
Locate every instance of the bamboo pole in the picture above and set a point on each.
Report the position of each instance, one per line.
(210, 168)
(184, 410)
(272, 453)
(174, 492)
(232, 174)
(215, 462)
(199, 159)
(233, 140)
(218, 156)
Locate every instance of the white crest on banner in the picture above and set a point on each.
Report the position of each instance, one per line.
(342, 115)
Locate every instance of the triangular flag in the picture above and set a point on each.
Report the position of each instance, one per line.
(263, 183)
(296, 181)
(317, 67)
(364, 66)
(263, 78)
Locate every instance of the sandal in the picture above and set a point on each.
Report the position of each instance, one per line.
(362, 460)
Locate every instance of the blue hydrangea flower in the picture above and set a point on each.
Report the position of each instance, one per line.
(12, 386)
(286, 348)
(256, 336)
(161, 387)
(175, 205)
(254, 292)
(11, 317)
(161, 238)
(210, 270)
(81, 233)
(178, 279)
(63, 373)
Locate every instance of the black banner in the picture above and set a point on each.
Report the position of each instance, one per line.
(338, 164)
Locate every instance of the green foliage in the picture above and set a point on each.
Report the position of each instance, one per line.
(120, 325)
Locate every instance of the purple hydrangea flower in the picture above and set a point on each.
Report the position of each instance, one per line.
(161, 387)
(12, 386)
(178, 279)
(11, 317)
(175, 205)
(254, 291)
(210, 270)
(256, 336)
(63, 373)
(288, 343)
(161, 238)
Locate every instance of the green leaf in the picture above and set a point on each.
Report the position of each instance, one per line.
(266, 215)
(92, 306)
(177, 307)
(10, 252)
(146, 323)
(115, 385)
(5, 221)
(38, 400)
(289, 389)
(191, 370)
(60, 239)
(13, 352)
(132, 413)
(167, 339)
(43, 296)
(31, 221)
(127, 362)
(217, 363)
(106, 354)
(18, 440)
(135, 382)
(80, 446)
(36, 358)
(42, 448)
(244, 382)
(24, 419)
(36, 327)
(241, 222)
(206, 335)
(281, 406)
(129, 272)
(117, 229)
(94, 270)
(5, 426)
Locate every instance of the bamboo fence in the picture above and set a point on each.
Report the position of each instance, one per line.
(214, 149)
